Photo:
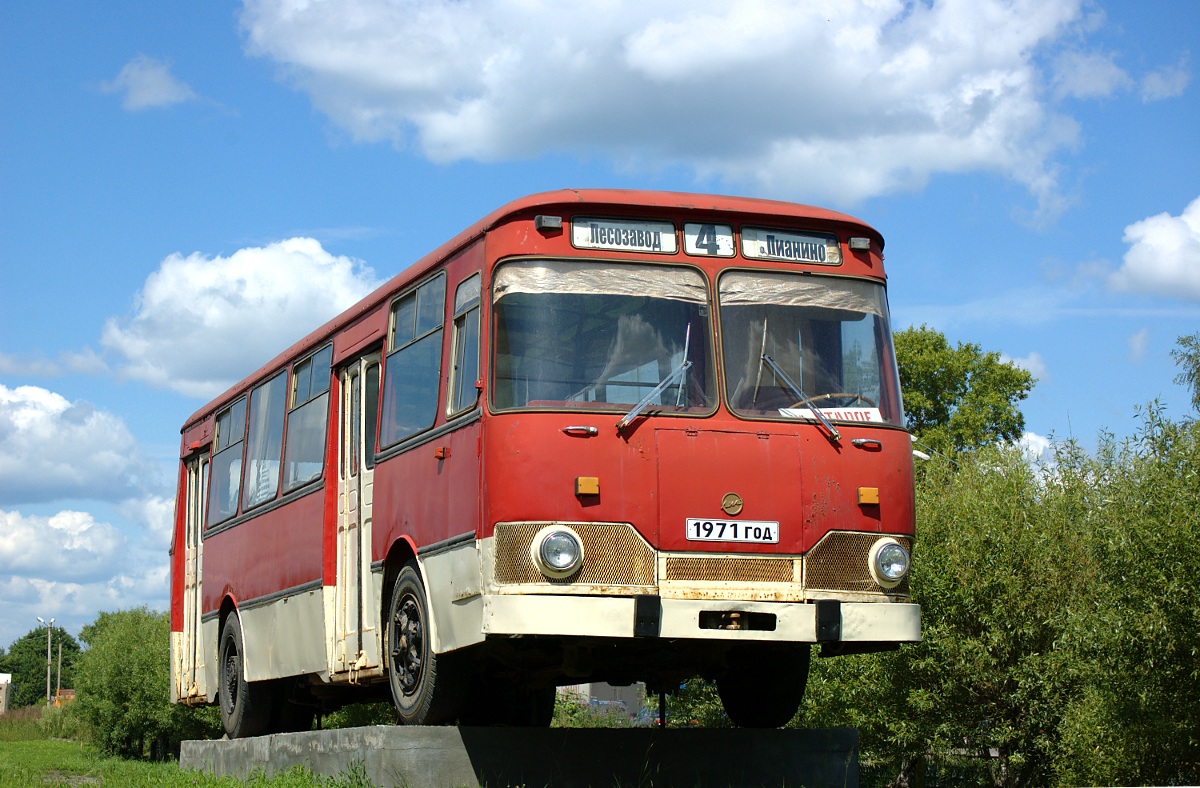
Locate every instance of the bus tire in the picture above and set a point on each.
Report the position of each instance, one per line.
(245, 705)
(426, 687)
(765, 686)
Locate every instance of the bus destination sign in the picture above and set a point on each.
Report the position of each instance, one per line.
(623, 235)
(708, 240)
(759, 243)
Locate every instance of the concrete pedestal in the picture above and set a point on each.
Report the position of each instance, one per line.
(494, 757)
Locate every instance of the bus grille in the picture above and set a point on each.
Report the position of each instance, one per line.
(613, 554)
(732, 569)
(839, 563)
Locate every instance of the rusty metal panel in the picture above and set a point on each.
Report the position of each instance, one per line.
(732, 569)
(839, 563)
(613, 554)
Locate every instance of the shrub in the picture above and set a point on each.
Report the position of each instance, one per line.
(123, 687)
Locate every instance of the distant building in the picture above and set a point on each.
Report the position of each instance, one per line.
(5, 686)
(64, 696)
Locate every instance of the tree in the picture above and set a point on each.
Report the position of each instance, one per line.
(1000, 566)
(123, 686)
(1187, 358)
(26, 661)
(959, 398)
(1135, 720)
(1059, 612)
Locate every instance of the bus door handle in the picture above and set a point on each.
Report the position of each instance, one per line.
(868, 443)
(581, 431)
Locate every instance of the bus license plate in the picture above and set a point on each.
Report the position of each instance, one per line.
(701, 530)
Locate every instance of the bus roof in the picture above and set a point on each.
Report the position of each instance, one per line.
(625, 199)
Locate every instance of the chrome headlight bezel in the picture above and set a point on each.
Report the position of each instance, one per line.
(557, 551)
(889, 562)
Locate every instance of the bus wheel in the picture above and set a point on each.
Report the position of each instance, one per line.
(245, 705)
(426, 688)
(765, 685)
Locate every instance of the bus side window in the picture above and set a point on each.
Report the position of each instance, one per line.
(226, 475)
(268, 405)
(304, 452)
(372, 412)
(414, 363)
(465, 370)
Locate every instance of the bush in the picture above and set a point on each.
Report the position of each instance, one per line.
(21, 724)
(570, 711)
(63, 723)
(1059, 609)
(357, 715)
(123, 687)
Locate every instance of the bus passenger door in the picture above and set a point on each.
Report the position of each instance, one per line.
(191, 683)
(356, 621)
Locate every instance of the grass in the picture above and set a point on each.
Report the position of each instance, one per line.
(50, 762)
(29, 758)
(32, 754)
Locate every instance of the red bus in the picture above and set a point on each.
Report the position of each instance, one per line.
(599, 435)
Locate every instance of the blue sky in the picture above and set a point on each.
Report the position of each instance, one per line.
(185, 188)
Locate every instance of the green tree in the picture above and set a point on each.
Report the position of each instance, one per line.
(1187, 357)
(1001, 563)
(123, 686)
(26, 661)
(1135, 719)
(1059, 612)
(959, 397)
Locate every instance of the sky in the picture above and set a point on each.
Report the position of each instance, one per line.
(186, 188)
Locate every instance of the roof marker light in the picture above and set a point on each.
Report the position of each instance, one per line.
(543, 223)
(860, 244)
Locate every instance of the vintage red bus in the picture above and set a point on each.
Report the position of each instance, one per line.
(598, 436)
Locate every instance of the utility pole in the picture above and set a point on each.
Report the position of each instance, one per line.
(49, 630)
(58, 675)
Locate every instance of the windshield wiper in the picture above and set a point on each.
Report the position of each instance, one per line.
(834, 435)
(683, 367)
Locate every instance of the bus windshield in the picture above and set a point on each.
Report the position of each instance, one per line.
(794, 343)
(591, 335)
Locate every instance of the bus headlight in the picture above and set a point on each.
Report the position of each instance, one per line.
(557, 551)
(889, 562)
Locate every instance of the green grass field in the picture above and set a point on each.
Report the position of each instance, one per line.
(36, 752)
(29, 758)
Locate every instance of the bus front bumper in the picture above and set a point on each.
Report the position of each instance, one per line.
(618, 617)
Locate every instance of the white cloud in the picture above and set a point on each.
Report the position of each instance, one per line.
(1034, 446)
(1163, 256)
(1168, 82)
(156, 515)
(146, 83)
(52, 449)
(1088, 75)
(79, 362)
(823, 101)
(69, 546)
(74, 603)
(1034, 364)
(202, 323)
(70, 566)
(1138, 344)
